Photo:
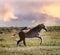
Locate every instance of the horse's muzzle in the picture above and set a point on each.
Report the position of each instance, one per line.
(45, 29)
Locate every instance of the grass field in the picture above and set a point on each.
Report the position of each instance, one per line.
(49, 46)
(38, 50)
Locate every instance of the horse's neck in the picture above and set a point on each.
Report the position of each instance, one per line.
(35, 30)
(39, 29)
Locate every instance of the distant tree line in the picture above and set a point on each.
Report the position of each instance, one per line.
(9, 29)
(53, 28)
(17, 29)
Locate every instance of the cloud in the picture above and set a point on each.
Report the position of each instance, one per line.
(33, 21)
(52, 9)
(29, 13)
(36, 18)
(6, 13)
(49, 20)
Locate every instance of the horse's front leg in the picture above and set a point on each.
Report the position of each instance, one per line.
(40, 39)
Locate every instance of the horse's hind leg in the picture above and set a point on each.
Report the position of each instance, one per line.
(24, 42)
(19, 41)
(40, 39)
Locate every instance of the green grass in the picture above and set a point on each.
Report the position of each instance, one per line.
(29, 51)
(50, 38)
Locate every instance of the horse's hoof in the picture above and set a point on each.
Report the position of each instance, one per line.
(20, 45)
(25, 45)
(40, 43)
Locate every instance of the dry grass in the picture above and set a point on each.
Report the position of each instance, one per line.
(50, 45)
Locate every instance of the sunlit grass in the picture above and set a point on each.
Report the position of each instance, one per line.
(8, 44)
(49, 39)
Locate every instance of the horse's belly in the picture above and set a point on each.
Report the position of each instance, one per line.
(31, 35)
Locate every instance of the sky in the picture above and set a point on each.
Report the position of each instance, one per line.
(29, 12)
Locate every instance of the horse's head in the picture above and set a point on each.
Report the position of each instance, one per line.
(42, 26)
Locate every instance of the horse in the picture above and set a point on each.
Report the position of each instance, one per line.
(34, 32)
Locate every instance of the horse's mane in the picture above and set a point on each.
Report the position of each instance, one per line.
(35, 27)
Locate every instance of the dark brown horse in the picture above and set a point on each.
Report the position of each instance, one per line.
(34, 32)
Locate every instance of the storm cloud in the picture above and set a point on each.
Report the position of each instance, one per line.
(27, 13)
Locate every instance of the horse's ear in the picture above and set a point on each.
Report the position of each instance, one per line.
(42, 25)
